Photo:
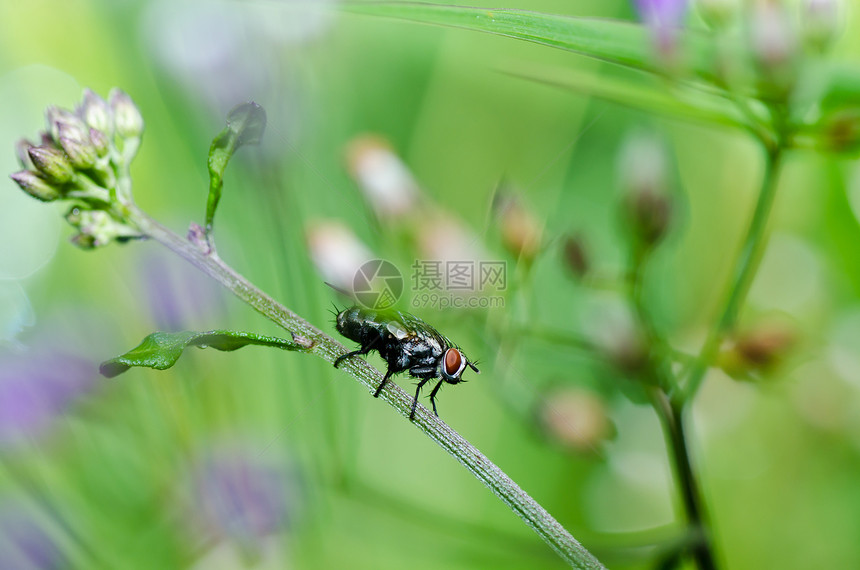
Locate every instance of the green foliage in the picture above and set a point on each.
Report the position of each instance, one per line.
(245, 125)
(161, 350)
(615, 41)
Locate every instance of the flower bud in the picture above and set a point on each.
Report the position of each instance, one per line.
(443, 237)
(83, 241)
(97, 228)
(628, 352)
(664, 18)
(612, 328)
(101, 144)
(56, 116)
(337, 253)
(649, 213)
(774, 45)
(78, 146)
(840, 130)
(35, 186)
(52, 163)
(772, 34)
(647, 206)
(820, 23)
(126, 117)
(96, 113)
(22, 148)
(521, 231)
(576, 418)
(382, 176)
(576, 256)
(758, 351)
(93, 227)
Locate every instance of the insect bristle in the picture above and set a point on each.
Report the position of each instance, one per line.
(335, 311)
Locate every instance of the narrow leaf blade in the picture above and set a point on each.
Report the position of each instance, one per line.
(619, 42)
(161, 350)
(245, 125)
(697, 107)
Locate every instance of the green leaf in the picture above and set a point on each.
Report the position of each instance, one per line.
(696, 106)
(161, 350)
(622, 43)
(245, 125)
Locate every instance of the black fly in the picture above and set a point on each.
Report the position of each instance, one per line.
(405, 342)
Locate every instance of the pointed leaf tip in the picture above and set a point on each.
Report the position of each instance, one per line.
(245, 125)
(248, 121)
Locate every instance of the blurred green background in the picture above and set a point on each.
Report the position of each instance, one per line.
(149, 470)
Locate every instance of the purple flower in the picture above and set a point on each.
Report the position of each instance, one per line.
(25, 544)
(178, 295)
(36, 388)
(664, 17)
(240, 495)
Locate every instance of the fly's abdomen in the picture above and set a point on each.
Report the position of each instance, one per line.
(358, 325)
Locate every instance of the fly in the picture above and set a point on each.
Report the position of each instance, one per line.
(405, 342)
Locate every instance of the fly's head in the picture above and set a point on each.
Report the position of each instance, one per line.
(454, 362)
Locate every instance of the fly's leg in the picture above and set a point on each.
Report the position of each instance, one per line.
(360, 352)
(382, 384)
(343, 357)
(415, 401)
(433, 397)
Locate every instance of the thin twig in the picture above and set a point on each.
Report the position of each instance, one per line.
(691, 494)
(662, 383)
(744, 271)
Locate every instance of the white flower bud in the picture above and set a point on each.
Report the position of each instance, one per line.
(337, 253)
(385, 180)
(78, 146)
(127, 119)
(57, 116)
(773, 36)
(96, 113)
(820, 23)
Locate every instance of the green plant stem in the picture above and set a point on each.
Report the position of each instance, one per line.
(673, 427)
(198, 253)
(658, 375)
(742, 276)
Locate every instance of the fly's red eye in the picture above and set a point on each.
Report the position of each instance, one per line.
(453, 361)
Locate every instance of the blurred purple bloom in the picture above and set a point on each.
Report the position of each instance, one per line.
(240, 496)
(36, 388)
(664, 17)
(178, 295)
(25, 545)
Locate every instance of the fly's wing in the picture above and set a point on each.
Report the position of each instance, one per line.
(412, 325)
(418, 338)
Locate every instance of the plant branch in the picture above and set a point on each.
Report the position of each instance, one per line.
(661, 382)
(198, 253)
(694, 506)
(744, 271)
